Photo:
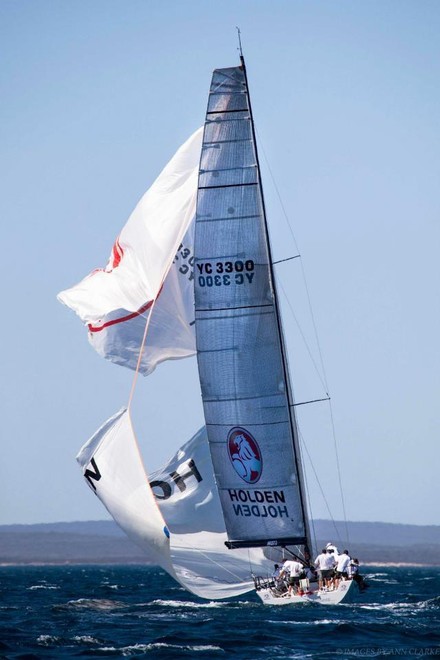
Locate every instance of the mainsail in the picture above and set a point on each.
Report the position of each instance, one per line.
(244, 380)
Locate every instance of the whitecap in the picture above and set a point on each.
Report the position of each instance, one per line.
(394, 608)
(86, 639)
(273, 651)
(145, 648)
(185, 603)
(172, 615)
(389, 582)
(93, 604)
(41, 586)
(47, 640)
(310, 623)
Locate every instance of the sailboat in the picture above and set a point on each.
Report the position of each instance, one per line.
(192, 273)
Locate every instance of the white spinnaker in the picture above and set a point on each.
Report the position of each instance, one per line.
(171, 336)
(194, 517)
(195, 554)
(115, 302)
(113, 468)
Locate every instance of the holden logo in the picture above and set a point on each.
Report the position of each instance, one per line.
(245, 454)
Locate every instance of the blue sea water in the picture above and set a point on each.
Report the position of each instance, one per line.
(135, 611)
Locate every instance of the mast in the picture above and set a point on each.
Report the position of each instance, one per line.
(292, 416)
(246, 392)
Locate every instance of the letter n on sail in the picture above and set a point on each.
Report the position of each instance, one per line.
(92, 475)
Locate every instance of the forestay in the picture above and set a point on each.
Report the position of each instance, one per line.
(243, 377)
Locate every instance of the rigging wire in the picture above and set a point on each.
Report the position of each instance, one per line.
(322, 376)
(211, 560)
(286, 217)
(280, 261)
(309, 501)
(303, 444)
(323, 382)
(141, 350)
(339, 474)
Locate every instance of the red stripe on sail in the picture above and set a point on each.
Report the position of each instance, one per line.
(118, 253)
(140, 311)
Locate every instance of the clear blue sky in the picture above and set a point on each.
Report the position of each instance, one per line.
(96, 96)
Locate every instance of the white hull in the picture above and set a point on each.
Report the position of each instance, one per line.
(344, 593)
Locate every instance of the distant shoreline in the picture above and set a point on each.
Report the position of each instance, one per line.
(23, 564)
(100, 543)
(400, 564)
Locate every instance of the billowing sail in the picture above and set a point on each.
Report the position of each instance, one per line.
(189, 502)
(113, 469)
(115, 301)
(180, 526)
(118, 336)
(243, 376)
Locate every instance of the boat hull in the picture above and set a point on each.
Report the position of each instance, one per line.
(344, 593)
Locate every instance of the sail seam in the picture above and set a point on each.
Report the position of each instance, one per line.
(229, 169)
(223, 112)
(230, 217)
(245, 398)
(228, 309)
(210, 143)
(228, 119)
(238, 93)
(284, 421)
(230, 185)
(229, 93)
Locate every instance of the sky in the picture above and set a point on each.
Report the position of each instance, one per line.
(96, 97)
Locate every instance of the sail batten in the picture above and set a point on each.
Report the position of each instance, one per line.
(208, 144)
(243, 377)
(244, 398)
(229, 185)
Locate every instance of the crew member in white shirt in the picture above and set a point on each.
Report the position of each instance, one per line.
(342, 567)
(331, 547)
(294, 570)
(324, 563)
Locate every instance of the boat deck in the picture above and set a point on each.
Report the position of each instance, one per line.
(343, 593)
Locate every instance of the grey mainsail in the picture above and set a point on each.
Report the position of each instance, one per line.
(244, 380)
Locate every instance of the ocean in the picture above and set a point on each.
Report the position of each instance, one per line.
(136, 611)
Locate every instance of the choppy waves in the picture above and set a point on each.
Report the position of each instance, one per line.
(87, 612)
